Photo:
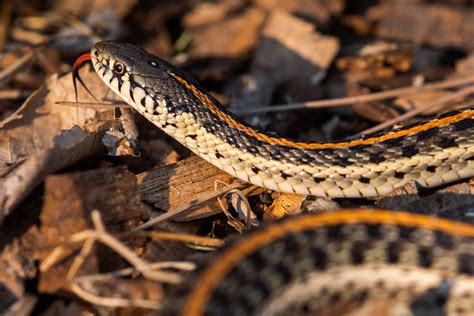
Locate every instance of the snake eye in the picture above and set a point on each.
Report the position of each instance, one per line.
(119, 68)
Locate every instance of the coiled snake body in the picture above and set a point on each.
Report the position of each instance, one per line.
(361, 262)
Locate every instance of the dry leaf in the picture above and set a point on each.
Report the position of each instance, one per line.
(33, 126)
(284, 204)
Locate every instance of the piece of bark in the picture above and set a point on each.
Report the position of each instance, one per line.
(84, 8)
(69, 200)
(320, 11)
(434, 24)
(215, 51)
(291, 45)
(234, 37)
(68, 148)
(374, 58)
(184, 183)
(291, 53)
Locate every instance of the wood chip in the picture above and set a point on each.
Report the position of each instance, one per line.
(68, 204)
(185, 182)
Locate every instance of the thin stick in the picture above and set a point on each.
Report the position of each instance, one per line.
(86, 250)
(139, 264)
(359, 98)
(94, 105)
(421, 109)
(113, 301)
(17, 65)
(90, 236)
(178, 265)
(185, 238)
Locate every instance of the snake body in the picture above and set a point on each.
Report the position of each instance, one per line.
(356, 262)
(362, 262)
(430, 152)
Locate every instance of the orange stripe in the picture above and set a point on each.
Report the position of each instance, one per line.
(285, 142)
(198, 299)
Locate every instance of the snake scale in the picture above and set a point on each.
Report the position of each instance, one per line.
(358, 262)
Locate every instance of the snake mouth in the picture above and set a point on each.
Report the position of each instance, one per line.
(101, 63)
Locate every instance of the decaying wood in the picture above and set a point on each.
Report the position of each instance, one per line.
(186, 182)
(67, 208)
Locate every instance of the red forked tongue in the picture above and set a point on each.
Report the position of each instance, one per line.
(75, 73)
(81, 59)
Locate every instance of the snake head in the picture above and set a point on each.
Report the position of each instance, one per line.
(134, 74)
(122, 61)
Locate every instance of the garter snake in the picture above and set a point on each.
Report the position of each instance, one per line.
(431, 152)
(359, 262)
